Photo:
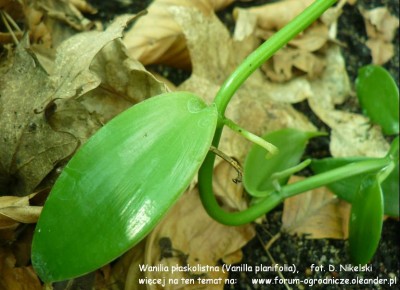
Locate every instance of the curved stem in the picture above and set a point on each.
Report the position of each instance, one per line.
(248, 215)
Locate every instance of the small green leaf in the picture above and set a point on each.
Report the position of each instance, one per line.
(120, 184)
(366, 220)
(260, 174)
(347, 188)
(379, 97)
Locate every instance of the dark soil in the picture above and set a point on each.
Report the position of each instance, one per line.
(301, 251)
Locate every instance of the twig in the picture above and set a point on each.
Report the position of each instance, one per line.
(231, 161)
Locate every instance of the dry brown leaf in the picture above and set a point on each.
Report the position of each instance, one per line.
(83, 6)
(246, 23)
(351, 134)
(312, 39)
(381, 51)
(13, 277)
(15, 210)
(124, 82)
(380, 23)
(274, 16)
(333, 87)
(70, 116)
(289, 62)
(29, 146)
(381, 28)
(42, 125)
(299, 57)
(316, 213)
(72, 75)
(51, 22)
(195, 239)
(157, 38)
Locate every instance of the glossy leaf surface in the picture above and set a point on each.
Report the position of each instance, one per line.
(120, 184)
(366, 221)
(379, 97)
(347, 188)
(259, 179)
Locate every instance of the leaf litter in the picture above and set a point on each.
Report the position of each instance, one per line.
(316, 213)
(381, 29)
(158, 38)
(73, 96)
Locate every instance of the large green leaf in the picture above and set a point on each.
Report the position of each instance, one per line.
(120, 184)
(379, 97)
(366, 220)
(261, 175)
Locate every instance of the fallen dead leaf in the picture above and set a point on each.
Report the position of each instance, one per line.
(303, 54)
(288, 63)
(48, 22)
(158, 38)
(72, 75)
(29, 146)
(15, 210)
(13, 277)
(70, 116)
(316, 213)
(83, 6)
(380, 23)
(351, 134)
(381, 51)
(124, 82)
(52, 22)
(381, 28)
(274, 16)
(42, 119)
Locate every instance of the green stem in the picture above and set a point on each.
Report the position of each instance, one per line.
(336, 174)
(223, 97)
(271, 149)
(246, 216)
